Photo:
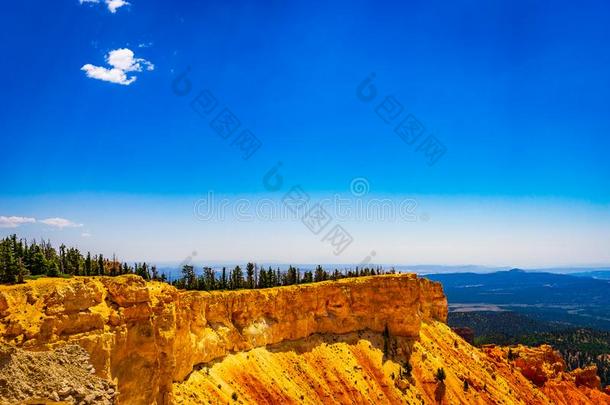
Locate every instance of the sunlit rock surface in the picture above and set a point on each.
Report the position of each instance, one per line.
(313, 343)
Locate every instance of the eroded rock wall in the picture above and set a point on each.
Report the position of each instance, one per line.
(352, 369)
(148, 335)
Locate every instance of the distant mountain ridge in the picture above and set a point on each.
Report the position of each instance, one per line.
(569, 299)
(599, 274)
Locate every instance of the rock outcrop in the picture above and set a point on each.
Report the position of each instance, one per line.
(587, 377)
(146, 336)
(57, 375)
(315, 343)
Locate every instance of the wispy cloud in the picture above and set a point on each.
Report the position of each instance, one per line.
(14, 222)
(113, 5)
(122, 61)
(85, 234)
(60, 223)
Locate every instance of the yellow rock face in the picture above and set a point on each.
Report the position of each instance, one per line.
(148, 335)
(315, 343)
(352, 369)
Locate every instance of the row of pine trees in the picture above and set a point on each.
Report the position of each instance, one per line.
(20, 259)
(253, 277)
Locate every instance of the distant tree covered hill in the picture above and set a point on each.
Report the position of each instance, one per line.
(521, 287)
(599, 274)
(502, 325)
(575, 301)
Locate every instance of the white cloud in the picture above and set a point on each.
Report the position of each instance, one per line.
(113, 5)
(108, 75)
(85, 234)
(14, 222)
(122, 61)
(60, 223)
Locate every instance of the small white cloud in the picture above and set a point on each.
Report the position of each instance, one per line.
(14, 222)
(113, 5)
(60, 223)
(85, 234)
(122, 61)
(145, 45)
(108, 75)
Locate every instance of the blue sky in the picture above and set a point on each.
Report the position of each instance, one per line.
(517, 92)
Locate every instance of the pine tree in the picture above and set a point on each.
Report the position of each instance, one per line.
(440, 375)
(10, 267)
(209, 281)
(72, 262)
(188, 275)
(39, 265)
(88, 268)
(142, 271)
(307, 277)
(52, 269)
(336, 275)
(100, 265)
(22, 271)
(155, 273)
(224, 278)
(237, 278)
(250, 275)
(319, 274)
(261, 280)
(113, 269)
(62, 258)
(291, 276)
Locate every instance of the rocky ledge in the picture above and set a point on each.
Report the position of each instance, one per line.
(145, 336)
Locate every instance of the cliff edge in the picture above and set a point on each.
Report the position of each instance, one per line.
(145, 336)
(379, 339)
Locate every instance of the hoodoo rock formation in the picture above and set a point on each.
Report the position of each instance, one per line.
(322, 342)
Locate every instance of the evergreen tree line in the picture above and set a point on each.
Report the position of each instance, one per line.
(253, 277)
(20, 258)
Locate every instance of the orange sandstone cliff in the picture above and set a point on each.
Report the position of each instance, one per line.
(314, 343)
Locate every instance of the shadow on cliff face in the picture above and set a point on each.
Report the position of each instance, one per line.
(322, 368)
(395, 348)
